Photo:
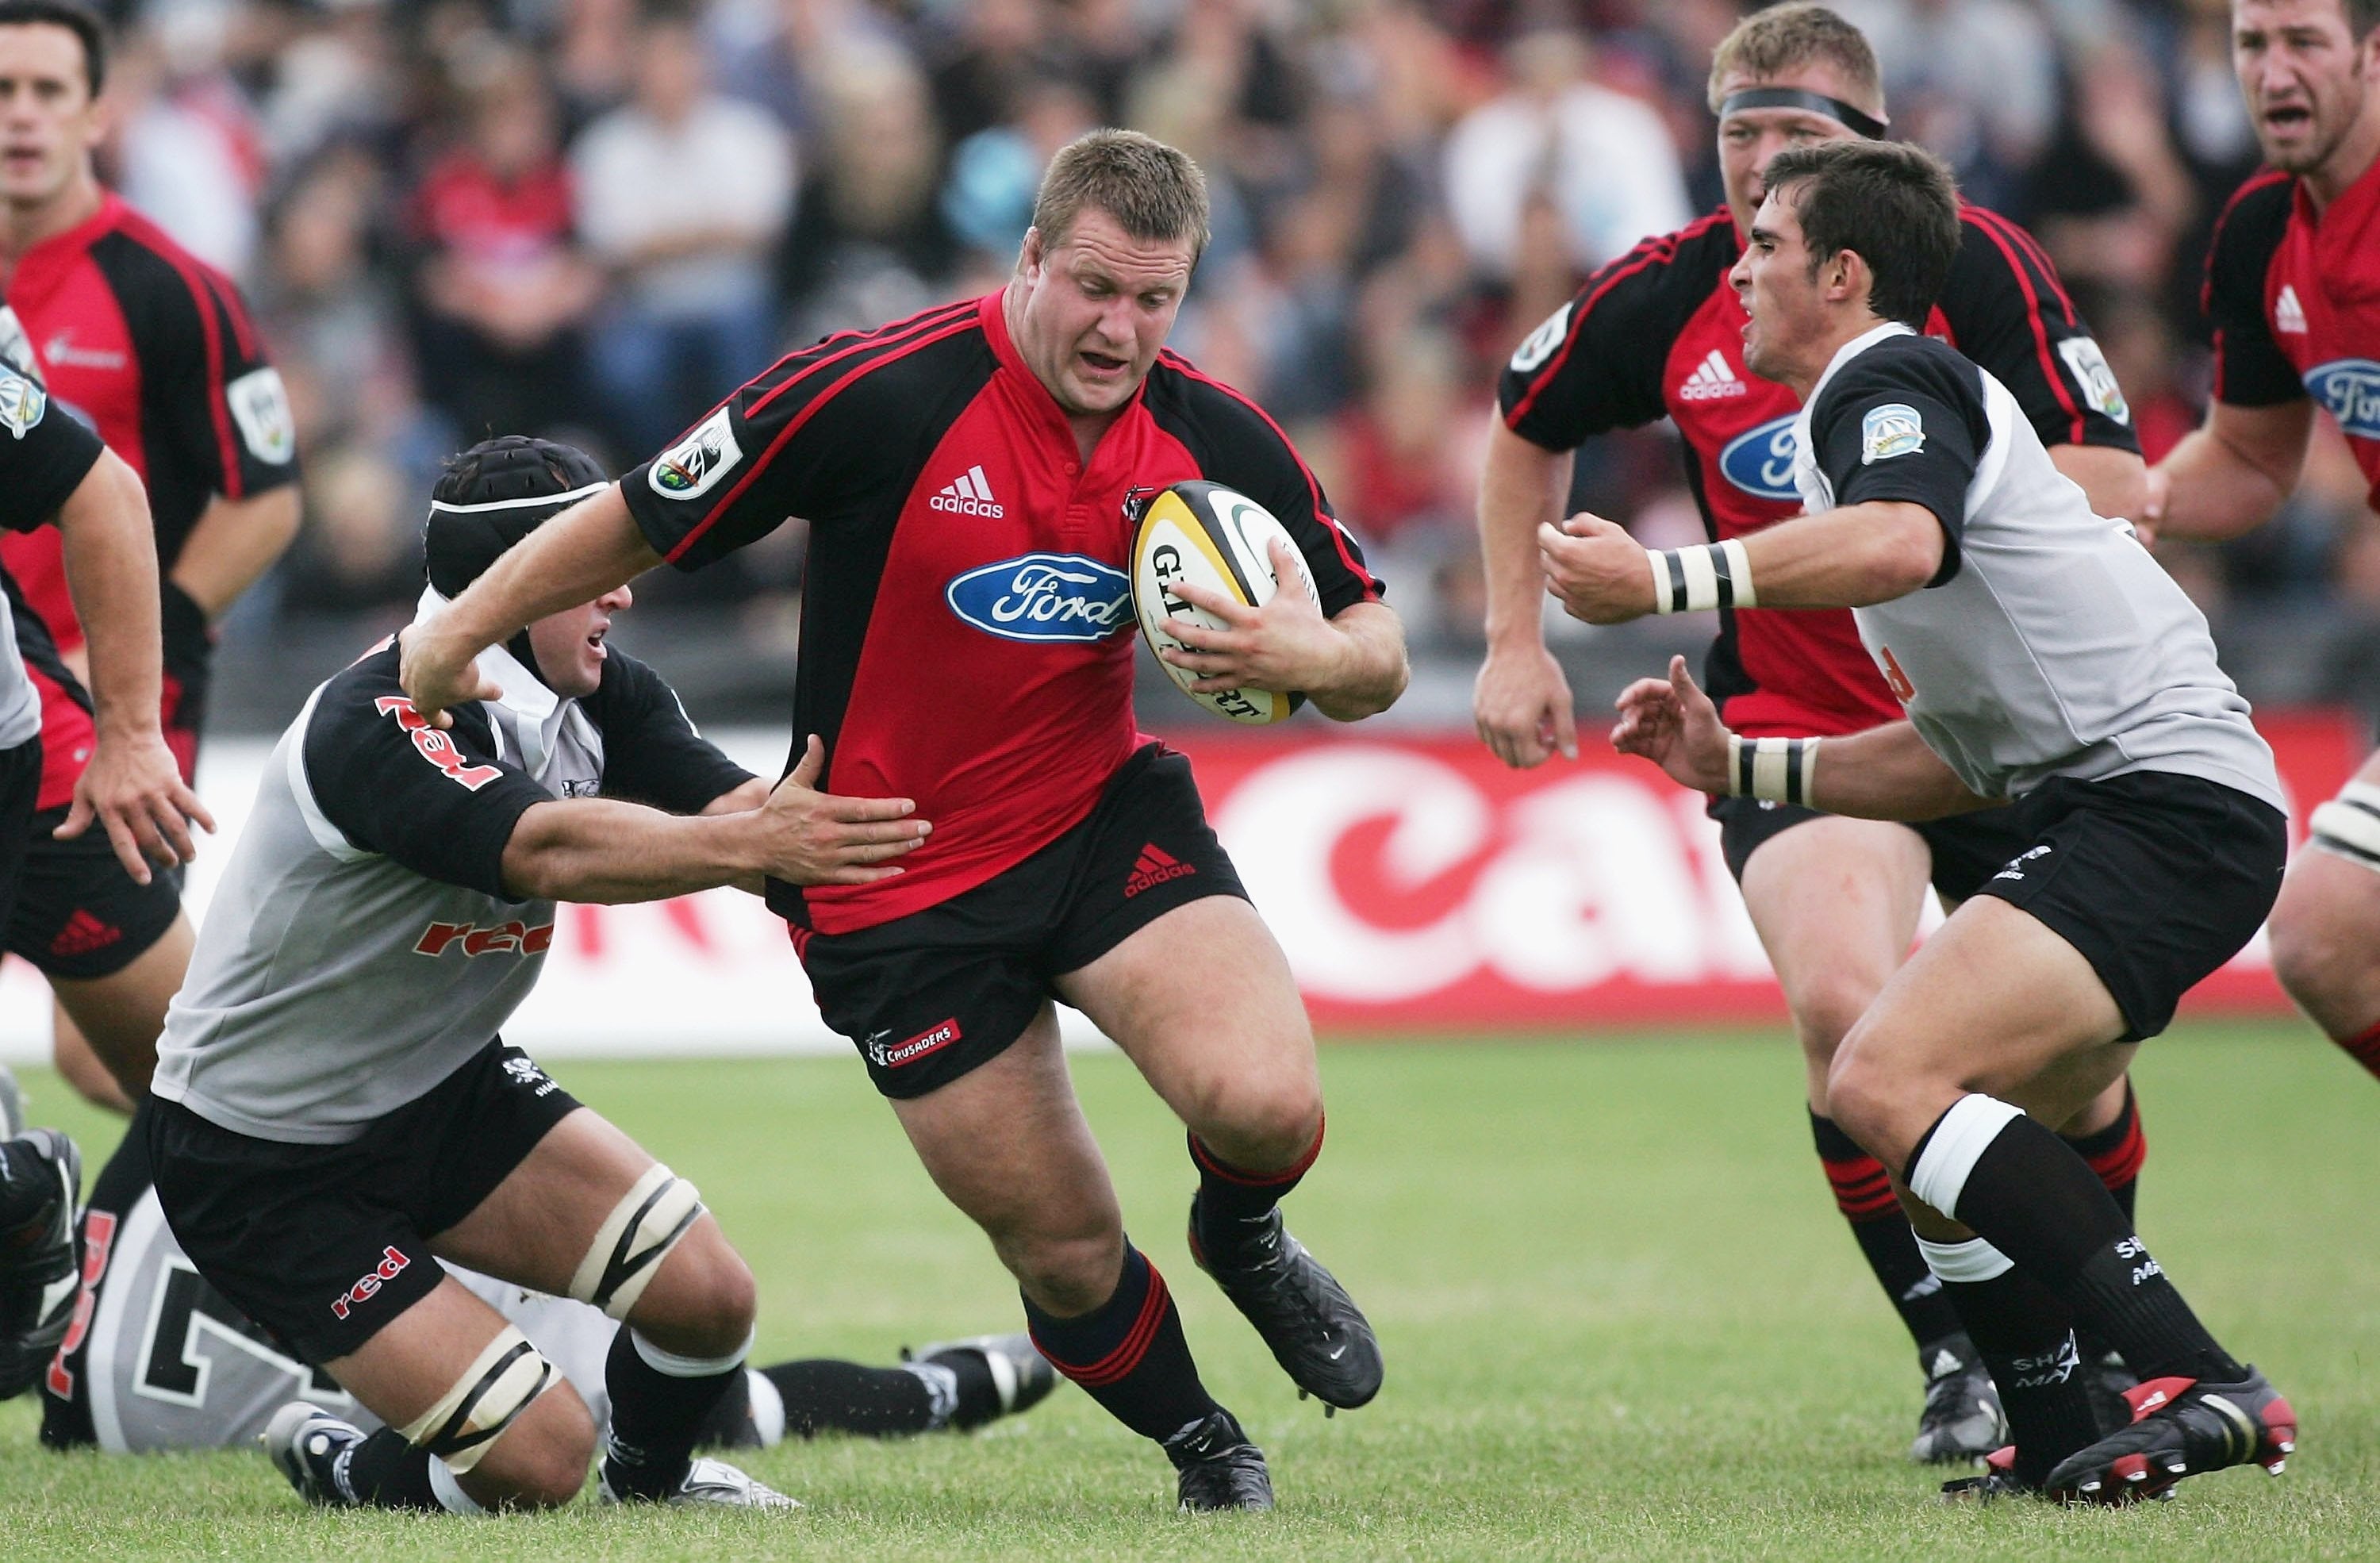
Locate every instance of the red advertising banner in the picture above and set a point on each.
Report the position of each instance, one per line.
(1419, 885)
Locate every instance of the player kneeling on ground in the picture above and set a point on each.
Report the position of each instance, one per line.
(335, 1112)
(2043, 657)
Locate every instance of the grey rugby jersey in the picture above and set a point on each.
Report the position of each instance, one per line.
(2050, 644)
(360, 947)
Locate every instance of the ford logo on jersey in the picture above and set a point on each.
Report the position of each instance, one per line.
(2350, 389)
(1043, 597)
(1761, 462)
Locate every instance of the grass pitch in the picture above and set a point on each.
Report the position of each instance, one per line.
(1620, 1316)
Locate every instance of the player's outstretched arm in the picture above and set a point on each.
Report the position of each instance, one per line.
(1883, 774)
(2232, 474)
(1522, 701)
(602, 851)
(577, 557)
(1848, 557)
(131, 787)
(1349, 666)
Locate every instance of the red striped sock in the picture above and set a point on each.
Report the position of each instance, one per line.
(2364, 1048)
(1229, 1193)
(1863, 1193)
(2116, 1152)
(1128, 1353)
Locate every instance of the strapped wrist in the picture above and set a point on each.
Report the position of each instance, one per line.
(1707, 575)
(1773, 769)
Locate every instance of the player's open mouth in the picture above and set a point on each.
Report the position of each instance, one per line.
(2290, 117)
(1100, 364)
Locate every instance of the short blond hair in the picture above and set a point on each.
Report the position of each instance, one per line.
(1768, 43)
(1154, 193)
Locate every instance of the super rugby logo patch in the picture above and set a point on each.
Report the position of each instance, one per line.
(1894, 429)
(1540, 344)
(1760, 462)
(1064, 596)
(260, 404)
(690, 468)
(22, 403)
(2350, 388)
(2097, 378)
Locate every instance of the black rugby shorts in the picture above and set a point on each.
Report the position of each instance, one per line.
(1968, 848)
(2158, 879)
(324, 1245)
(928, 997)
(79, 914)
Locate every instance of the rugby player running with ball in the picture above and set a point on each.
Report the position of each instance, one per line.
(2043, 657)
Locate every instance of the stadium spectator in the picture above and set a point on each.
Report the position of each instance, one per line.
(681, 194)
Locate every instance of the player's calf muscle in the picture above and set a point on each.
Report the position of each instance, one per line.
(2322, 940)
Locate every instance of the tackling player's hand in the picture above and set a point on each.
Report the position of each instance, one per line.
(1671, 722)
(1522, 706)
(135, 790)
(438, 676)
(1285, 646)
(1596, 569)
(813, 838)
(2153, 505)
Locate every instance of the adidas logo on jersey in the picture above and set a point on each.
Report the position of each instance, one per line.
(2288, 315)
(968, 494)
(1712, 379)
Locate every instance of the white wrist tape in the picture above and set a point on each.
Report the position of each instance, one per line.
(2350, 824)
(1689, 580)
(1778, 770)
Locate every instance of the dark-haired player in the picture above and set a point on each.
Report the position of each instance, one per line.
(968, 642)
(158, 1360)
(2044, 658)
(2293, 289)
(1658, 333)
(157, 351)
(335, 1113)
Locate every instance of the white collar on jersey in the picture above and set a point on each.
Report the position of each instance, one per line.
(1853, 349)
(538, 711)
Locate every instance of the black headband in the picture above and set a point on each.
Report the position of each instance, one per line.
(1834, 109)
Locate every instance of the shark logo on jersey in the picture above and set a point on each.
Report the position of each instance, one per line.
(690, 468)
(1760, 461)
(2349, 388)
(2098, 379)
(22, 403)
(1539, 345)
(1043, 597)
(1894, 429)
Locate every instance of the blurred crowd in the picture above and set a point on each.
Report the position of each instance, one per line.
(591, 217)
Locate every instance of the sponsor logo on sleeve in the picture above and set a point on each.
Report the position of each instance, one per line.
(22, 403)
(692, 466)
(2350, 388)
(1539, 345)
(1893, 429)
(1064, 596)
(1760, 461)
(2099, 381)
(436, 746)
(260, 404)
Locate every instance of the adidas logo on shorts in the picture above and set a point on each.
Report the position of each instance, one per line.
(1154, 866)
(1711, 381)
(968, 494)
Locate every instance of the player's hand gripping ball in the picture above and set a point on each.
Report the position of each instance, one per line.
(1219, 539)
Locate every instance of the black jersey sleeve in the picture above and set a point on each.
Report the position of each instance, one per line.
(209, 392)
(1904, 421)
(2008, 311)
(440, 802)
(1236, 443)
(45, 454)
(651, 753)
(2249, 369)
(1595, 364)
(826, 434)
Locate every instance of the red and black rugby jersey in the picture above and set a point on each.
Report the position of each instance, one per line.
(966, 621)
(2294, 297)
(1659, 333)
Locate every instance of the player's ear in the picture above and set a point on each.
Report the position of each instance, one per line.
(1029, 254)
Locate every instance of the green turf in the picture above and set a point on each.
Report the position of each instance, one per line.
(1621, 1318)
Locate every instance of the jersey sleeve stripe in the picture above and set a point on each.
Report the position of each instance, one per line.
(2043, 268)
(965, 322)
(1659, 248)
(857, 342)
(2264, 180)
(243, 329)
(1182, 366)
(2040, 333)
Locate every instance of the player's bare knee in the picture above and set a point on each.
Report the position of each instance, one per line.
(1259, 1121)
(704, 1301)
(540, 1462)
(1864, 1092)
(1824, 1014)
(2315, 955)
(1066, 1276)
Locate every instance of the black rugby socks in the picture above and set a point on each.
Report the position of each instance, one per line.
(384, 1472)
(1128, 1353)
(2025, 1192)
(661, 1403)
(2115, 1153)
(2024, 1333)
(1863, 1194)
(1229, 1194)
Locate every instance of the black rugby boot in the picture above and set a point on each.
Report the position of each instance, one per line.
(40, 1178)
(1219, 1467)
(1317, 1333)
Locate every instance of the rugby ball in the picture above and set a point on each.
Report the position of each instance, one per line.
(1219, 539)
